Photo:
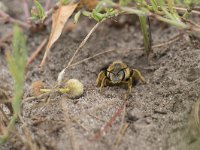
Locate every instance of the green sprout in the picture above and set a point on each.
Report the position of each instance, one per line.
(16, 63)
(101, 13)
(65, 2)
(77, 16)
(37, 12)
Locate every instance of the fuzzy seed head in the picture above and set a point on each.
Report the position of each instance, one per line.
(35, 88)
(75, 88)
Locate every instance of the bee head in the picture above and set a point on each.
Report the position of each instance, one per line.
(116, 72)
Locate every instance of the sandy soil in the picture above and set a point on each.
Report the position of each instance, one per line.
(157, 112)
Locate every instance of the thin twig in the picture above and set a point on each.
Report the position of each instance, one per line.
(185, 9)
(8, 18)
(121, 130)
(192, 23)
(49, 12)
(171, 40)
(109, 123)
(47, 5)
(29, 99)
(36, 52)
(60, 76)
(83, 43)
(26, 9)
(96, 55)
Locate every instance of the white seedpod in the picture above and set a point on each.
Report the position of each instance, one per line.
(61, 76)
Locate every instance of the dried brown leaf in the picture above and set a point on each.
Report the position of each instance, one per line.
(59, 18)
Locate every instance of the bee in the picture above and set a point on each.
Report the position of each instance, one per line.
(119, 73)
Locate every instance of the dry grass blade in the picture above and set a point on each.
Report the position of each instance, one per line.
(164, 43)
(120, 135)
(59, 18)
(196, 114)
(61, 74)
(83, 43)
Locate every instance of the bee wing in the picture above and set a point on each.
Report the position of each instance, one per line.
(100, 77)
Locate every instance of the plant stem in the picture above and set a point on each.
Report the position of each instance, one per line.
(61, 90)
(45, 90)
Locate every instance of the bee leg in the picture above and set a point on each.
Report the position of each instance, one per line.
(100, 78)
(130, 85)
(103, 83)
(138, 76)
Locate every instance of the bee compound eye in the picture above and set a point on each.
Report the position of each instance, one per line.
(121, 74)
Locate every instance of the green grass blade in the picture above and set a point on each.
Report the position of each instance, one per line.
(154, 5)
(16, 64)
(146, 35)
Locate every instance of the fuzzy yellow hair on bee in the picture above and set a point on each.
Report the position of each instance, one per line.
(119, 73)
